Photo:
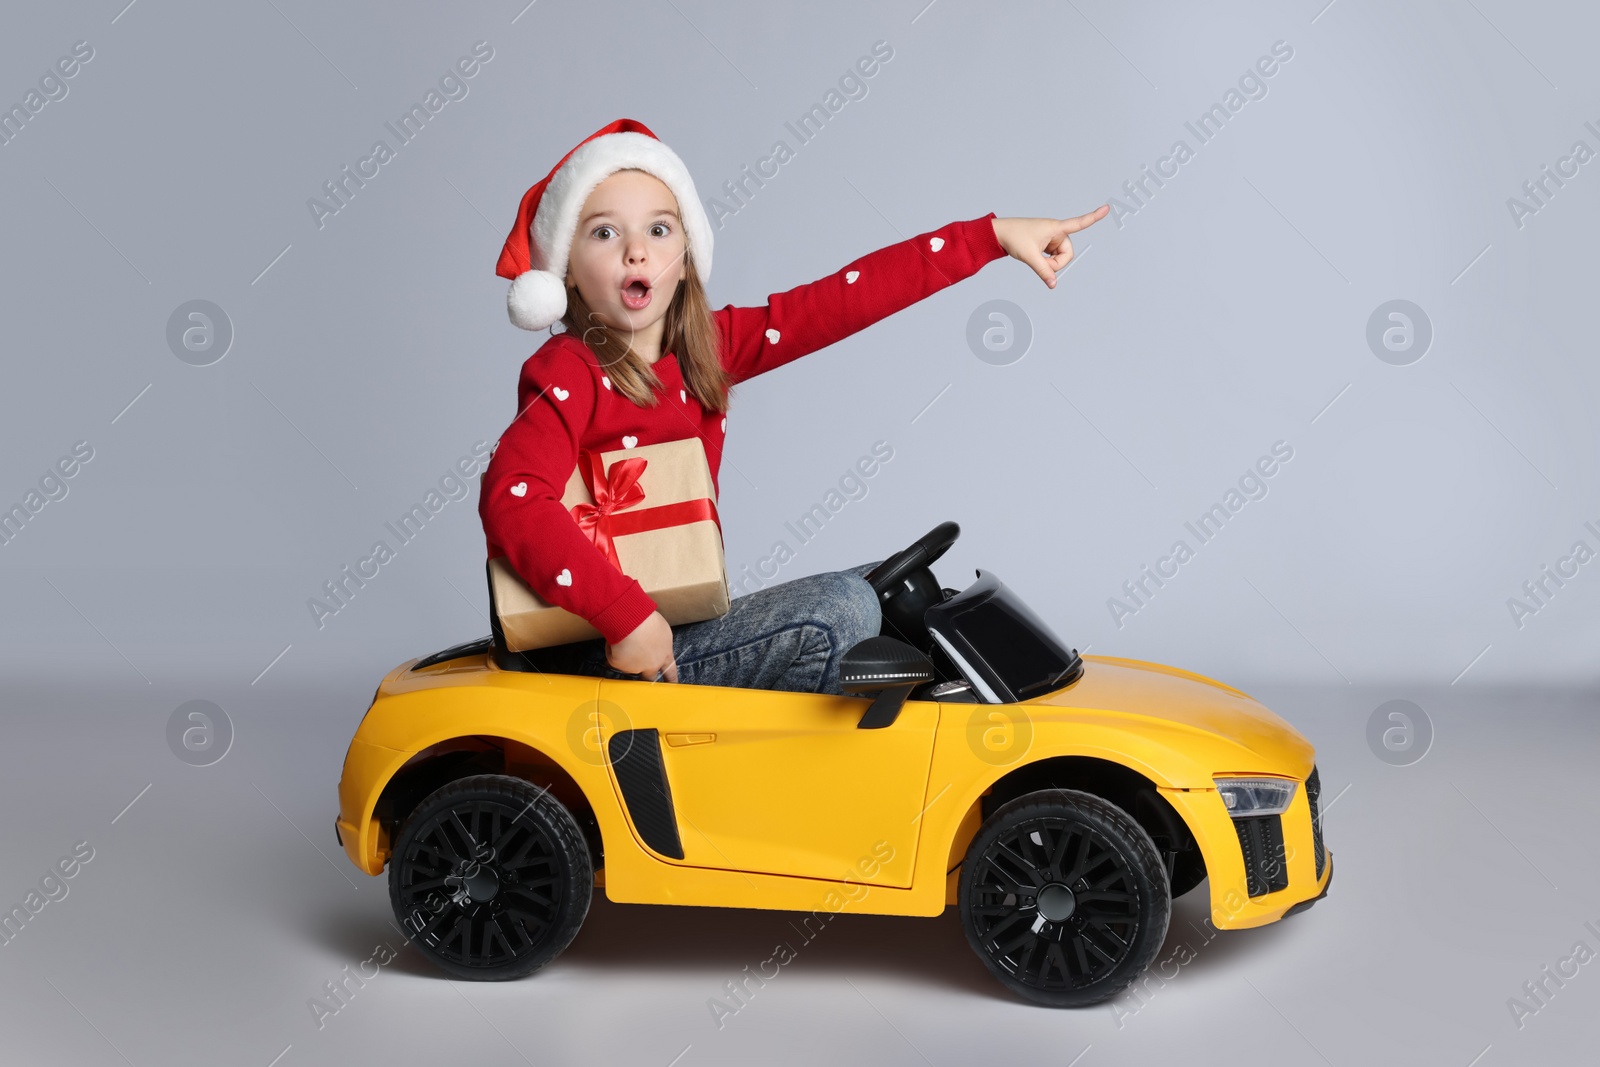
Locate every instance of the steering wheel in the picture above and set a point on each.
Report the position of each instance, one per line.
(887, 575)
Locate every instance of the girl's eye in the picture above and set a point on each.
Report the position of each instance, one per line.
(598, 229)
(663, 227)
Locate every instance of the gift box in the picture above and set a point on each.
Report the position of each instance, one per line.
(652, 512)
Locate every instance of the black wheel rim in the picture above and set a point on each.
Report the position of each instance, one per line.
(480, 884)
(1054, 905)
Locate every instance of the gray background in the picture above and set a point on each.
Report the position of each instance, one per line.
(1229, 312)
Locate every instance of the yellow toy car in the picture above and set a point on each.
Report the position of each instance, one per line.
(1060, 801)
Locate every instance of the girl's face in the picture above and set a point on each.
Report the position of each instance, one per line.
(627, 254)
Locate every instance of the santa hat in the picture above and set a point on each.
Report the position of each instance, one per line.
(535, 255)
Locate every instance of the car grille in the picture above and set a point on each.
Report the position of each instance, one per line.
(1314, 799)
(1261, 840)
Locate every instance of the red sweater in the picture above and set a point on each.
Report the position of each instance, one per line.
(567, 403)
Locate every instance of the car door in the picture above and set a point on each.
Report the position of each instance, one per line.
(769, 782)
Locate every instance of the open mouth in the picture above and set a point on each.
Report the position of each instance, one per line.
(635, 294)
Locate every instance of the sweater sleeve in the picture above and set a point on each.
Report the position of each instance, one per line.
(815, 315)
(521, 500)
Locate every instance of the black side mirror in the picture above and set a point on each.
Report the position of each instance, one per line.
(886, 667)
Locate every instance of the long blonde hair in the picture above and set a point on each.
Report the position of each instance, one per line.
(688, 331)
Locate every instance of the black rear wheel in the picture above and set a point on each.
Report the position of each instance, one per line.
(1064, 897)
(490, 877)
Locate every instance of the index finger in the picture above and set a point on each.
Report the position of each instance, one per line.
(1082, 221)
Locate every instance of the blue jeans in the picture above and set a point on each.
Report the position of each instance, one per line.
(789, 636)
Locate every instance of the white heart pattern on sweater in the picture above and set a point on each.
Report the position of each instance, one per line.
(936, 243)
(683, 395)
(605, 380)
(772, 336)
(561, 394)
(629, 441)
(520, 489)
(565, 577)
(850, 279)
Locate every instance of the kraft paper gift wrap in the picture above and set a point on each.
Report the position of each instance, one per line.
(656, 521)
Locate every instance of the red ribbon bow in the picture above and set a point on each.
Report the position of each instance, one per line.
(617, 491)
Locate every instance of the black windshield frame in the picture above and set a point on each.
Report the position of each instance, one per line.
(997, 642)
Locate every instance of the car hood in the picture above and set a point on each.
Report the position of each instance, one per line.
(1156, 691)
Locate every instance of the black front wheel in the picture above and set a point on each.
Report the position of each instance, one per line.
(490, 877)
(1064, 897)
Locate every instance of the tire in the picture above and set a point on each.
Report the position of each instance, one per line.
(1064, 897)
(490, 877)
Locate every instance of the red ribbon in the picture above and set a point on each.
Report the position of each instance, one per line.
(615, 511)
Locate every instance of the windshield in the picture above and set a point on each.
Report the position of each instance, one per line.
(999, 645)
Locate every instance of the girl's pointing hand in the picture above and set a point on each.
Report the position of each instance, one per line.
(1044, 244)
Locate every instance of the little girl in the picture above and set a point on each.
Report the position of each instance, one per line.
(615, 244)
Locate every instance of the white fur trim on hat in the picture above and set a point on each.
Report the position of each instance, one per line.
(538, 297)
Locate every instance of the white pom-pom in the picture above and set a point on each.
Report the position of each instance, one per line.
(537, 299)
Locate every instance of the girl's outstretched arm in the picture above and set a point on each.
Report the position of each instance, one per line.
(815, 315)
(812, 316)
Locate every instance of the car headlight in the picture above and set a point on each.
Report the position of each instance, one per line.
(1256, 796)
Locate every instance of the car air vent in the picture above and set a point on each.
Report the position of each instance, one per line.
(1314, 799)
(1261, 840)
(636, 757)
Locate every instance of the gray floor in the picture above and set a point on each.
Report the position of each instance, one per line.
(217, 905)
